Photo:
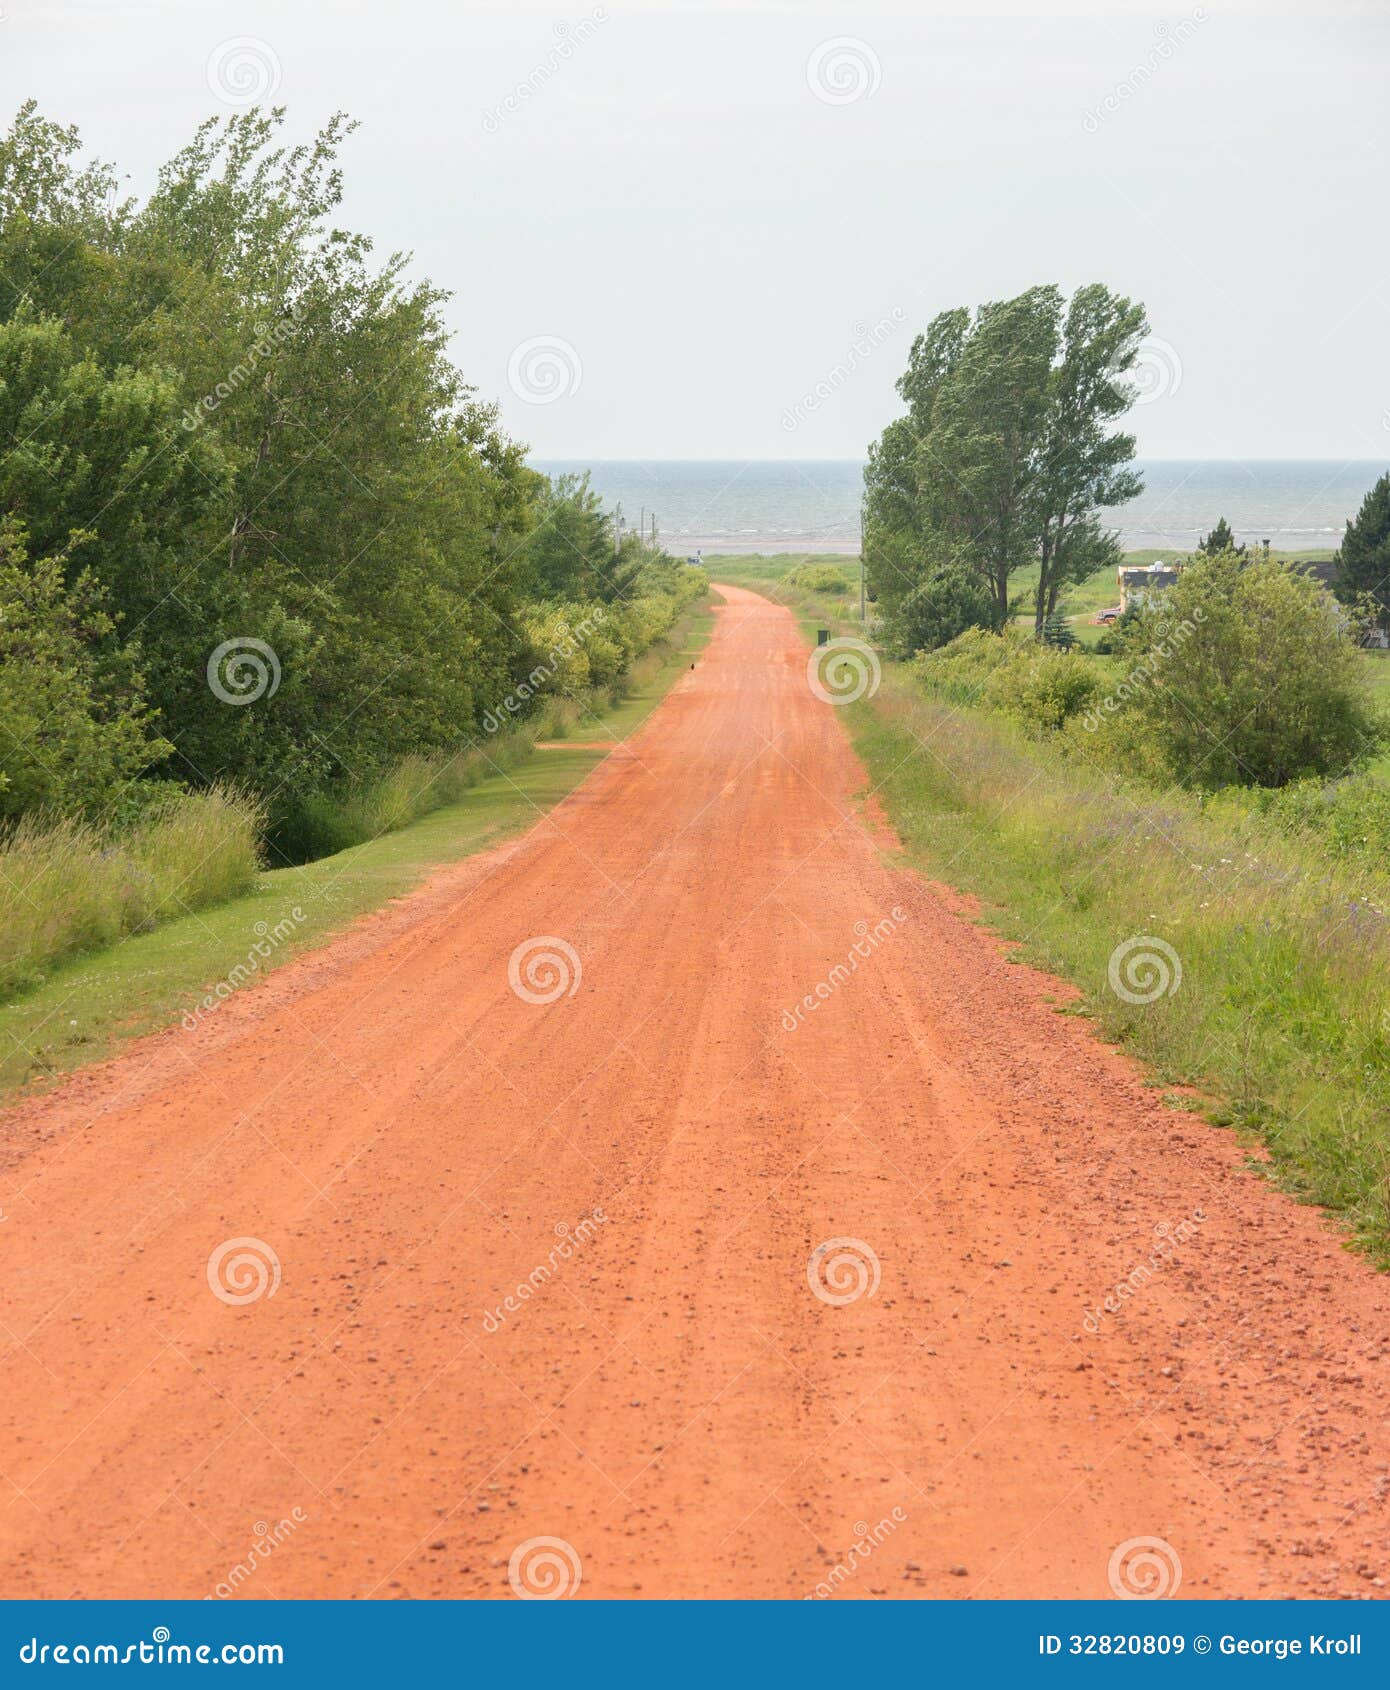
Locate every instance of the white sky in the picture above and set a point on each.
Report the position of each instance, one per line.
(676, 204)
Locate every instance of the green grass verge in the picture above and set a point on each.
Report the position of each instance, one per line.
(85, 1009)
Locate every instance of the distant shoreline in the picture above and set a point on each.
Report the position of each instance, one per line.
(730, 507)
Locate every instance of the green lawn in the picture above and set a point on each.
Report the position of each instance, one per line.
(85, 1009)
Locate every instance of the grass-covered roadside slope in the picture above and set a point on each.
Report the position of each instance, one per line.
(1240, 961)
(85, 1009)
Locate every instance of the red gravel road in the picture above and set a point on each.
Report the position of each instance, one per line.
(687, 1394)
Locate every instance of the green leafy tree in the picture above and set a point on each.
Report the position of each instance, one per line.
(1220, 540)
(75, 726)
(1082, 467)
(1363, 559)
(977, 465)
(940, 607)
(253, 424)
(1253, 678)
(1006, 455)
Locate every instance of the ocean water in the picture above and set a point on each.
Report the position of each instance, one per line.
(813, 505)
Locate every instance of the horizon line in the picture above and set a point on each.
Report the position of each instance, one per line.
(739, 458)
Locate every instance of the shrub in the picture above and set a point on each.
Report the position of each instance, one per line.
(1265, 686)
(960, 670)
(938, 610)
(1044, 687)
(74, 726)
(826, 578)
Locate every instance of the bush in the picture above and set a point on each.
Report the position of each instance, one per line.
(960, 670)
(938, 610)
(74, 726)
(1255, 679)
(826, 578)
(1043, 688)
(67, 887)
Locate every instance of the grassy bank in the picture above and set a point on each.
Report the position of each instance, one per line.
(1261, 981)
(86, 1007)
(67, 888)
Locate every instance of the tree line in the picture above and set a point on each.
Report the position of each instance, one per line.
(238, 468)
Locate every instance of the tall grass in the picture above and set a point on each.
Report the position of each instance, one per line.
(1281, 1020)
(67, 887)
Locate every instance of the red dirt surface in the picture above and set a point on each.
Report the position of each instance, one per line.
(670, 1396)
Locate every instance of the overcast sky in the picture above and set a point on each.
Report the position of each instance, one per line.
(712, 230)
